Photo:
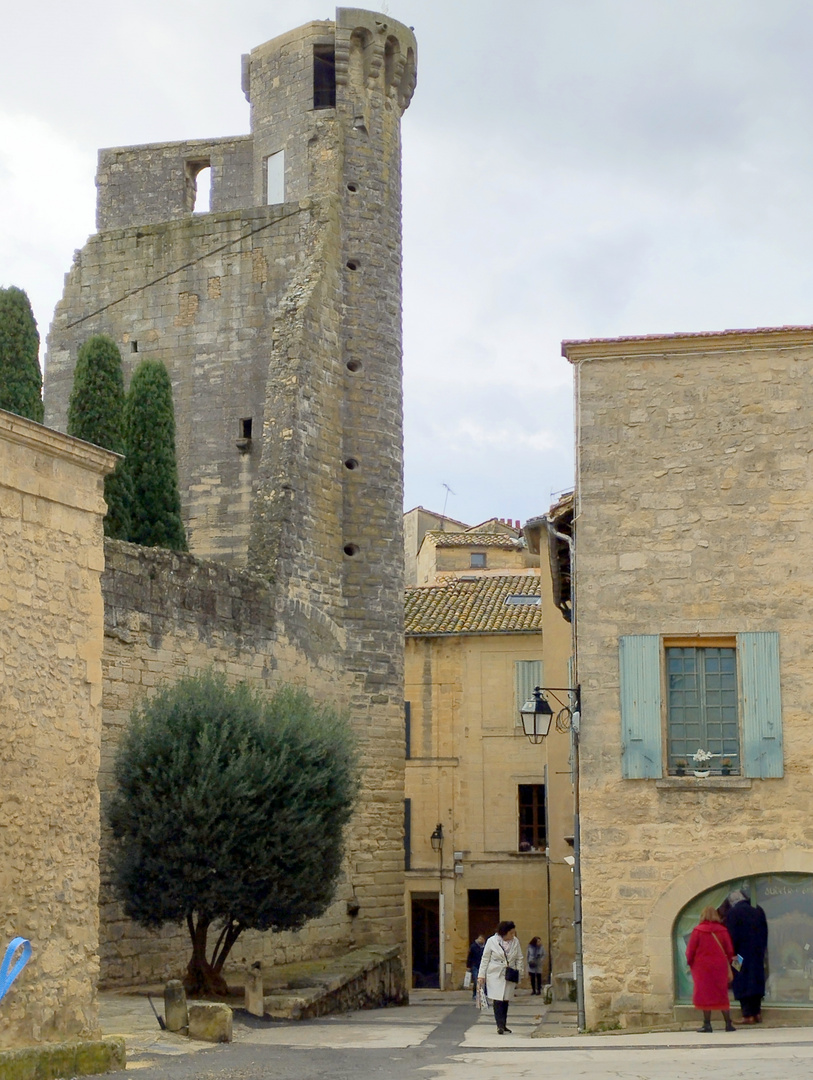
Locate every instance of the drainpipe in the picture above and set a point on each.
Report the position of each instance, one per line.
(577, 863)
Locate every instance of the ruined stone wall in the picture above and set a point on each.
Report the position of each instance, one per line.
(51, 557)
(288, 316)
(694, 516)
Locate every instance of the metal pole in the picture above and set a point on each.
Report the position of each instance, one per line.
(577, 887)
(441, 923)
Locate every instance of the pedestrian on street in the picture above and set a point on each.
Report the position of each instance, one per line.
(473, 960)
(709, 955)
(748, 929)
(500, 971)
(535, 958)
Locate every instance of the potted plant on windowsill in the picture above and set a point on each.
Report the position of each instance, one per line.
(701, 759)
(725, 767)
(680, 767)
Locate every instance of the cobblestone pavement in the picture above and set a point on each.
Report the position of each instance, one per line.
(442, 1037)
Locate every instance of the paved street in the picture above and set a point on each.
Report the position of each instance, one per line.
(445, 1039)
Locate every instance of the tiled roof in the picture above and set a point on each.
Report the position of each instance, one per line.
(475, 539)
(474, 605)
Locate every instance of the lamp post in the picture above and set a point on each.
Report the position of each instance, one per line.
(537, 715)
(436, 840)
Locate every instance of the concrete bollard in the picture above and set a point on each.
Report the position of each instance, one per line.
(175, 1011)
(254, 991)
(210, 1021)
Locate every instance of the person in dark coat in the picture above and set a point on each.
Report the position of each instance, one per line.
(473, 960)
(748, 929)
(709, 955)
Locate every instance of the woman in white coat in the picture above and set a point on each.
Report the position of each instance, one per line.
(502, 951)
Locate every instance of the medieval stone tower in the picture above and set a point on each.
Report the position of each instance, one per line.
(278, 315)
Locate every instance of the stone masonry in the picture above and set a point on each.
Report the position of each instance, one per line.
(694, 518)
(51, 509)
(278, 316)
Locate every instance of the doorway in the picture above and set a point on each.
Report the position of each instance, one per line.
(425, 940)
(484, 912)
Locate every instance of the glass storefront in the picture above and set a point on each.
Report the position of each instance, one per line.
(787, 900)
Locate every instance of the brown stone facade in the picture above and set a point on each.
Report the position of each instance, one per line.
(51, 509)
(694, 524)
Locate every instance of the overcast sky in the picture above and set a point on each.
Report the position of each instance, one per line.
(572, 168)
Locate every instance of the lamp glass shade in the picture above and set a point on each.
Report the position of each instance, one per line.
(436, 839)
(536, 718)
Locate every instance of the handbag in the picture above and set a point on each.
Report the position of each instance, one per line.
(511, 975)
(729, 963)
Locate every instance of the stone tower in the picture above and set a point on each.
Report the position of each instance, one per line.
(278, 315)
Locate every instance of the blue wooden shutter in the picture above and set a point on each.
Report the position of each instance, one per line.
(641, 753)
(758, 656)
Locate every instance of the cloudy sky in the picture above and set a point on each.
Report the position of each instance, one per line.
(572, 168)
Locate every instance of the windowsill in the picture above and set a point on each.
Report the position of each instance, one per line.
(703, 783)
(527, 854)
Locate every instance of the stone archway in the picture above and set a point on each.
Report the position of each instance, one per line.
(704, 876)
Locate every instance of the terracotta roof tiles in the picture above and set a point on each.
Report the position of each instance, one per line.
(475, 605)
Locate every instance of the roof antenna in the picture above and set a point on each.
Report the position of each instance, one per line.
(446, 499)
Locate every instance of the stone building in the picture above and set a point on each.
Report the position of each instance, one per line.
(278, 315)
(693, 577)
(478, 638)
(51, 510)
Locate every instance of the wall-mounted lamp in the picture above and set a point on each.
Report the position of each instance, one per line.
(537, 713)
(436, 839)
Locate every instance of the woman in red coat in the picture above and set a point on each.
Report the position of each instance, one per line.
(709, 955)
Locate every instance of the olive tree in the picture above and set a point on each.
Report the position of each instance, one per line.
(228, 811)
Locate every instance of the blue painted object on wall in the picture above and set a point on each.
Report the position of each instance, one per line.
(9, 972)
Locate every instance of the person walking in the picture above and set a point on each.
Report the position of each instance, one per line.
(748, 929)
(534, 958)
(473, 960)
(709, 955)
(500, 970)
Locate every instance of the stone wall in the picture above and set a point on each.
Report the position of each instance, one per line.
(694, 517)
(51, 508)
(168, 615)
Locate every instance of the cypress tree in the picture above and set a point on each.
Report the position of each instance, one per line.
(96, 414)
(150, 438)
(20, 374)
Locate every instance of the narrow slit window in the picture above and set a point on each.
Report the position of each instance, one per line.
(324, 77)
(203, 190)
(275, 178)
(245, 428)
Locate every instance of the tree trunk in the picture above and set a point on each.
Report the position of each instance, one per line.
(203, 977)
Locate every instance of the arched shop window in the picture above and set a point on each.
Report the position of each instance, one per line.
(787, 900)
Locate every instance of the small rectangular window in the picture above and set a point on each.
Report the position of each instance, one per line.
(324, 77)
(245, 427)
(532, 817)
(275, 178)
(478, 559)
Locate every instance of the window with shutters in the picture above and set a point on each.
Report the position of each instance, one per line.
(527, 675)
(702, 709)
(718, 695)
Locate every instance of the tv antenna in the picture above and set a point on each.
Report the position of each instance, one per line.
(446, 499)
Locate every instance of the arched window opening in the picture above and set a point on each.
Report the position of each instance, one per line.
(787, 900)
(391, 53)
(203, 190)
(324, 77)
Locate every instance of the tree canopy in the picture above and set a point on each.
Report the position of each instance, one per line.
(150, 437)
(96, 414)
(20, 373)
(229, 806)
